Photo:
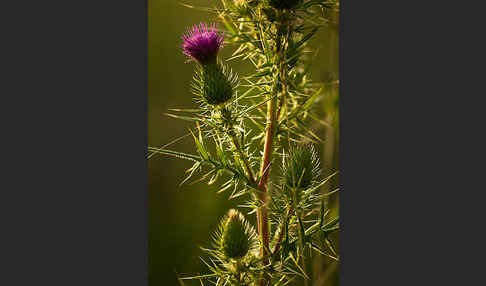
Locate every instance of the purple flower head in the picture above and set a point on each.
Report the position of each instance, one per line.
(202, 44)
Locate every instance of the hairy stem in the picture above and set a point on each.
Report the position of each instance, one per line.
(268, 146)
(243, 159)
(282, 231)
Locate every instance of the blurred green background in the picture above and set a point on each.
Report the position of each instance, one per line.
(182, 218)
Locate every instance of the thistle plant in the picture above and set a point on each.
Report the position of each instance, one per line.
(255, 137)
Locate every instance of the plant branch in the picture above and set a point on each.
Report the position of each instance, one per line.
(243, 158)
(268, 146)
(262, 184)
(301, 233)
(280, 237)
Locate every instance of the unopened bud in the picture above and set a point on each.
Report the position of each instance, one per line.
(237, 236)
(214, 83)
(301, 166)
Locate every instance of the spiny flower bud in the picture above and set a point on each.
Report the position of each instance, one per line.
(202, 43)
(237, 235)
(214, 83)
(301, 166)
(284, 4)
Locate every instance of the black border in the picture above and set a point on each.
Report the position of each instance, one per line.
(409, 137)
(74, 202)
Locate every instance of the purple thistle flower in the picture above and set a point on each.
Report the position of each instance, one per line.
(202, 44)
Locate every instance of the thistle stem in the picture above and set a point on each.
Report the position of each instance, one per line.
(282, 231)
(262, 185)
(243, 158)
(268, 148)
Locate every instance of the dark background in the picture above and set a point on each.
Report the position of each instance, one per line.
(183, 218)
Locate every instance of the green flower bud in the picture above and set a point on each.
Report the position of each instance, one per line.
(301, 166)
(237, 235)
(284, 4)
(214, 83)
